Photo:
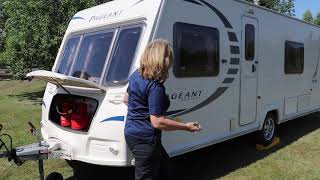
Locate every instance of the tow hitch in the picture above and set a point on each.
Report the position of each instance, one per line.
(37, 151)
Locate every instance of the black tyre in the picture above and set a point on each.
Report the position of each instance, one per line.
(54, 176)
(268, 131)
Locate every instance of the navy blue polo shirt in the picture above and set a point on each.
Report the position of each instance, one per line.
(146, 97)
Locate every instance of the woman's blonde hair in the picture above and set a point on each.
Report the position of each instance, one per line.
(156, 60)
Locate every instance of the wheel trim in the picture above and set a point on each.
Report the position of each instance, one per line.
(268, 129)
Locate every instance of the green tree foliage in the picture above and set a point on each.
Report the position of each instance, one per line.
(34, 30)
(308, 17)
(282, 6)
(3, 19)
(317, 19)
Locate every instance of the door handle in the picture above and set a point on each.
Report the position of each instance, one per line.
(254, 69)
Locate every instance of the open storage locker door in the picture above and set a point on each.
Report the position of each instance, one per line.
(70, 111)
(60, 79)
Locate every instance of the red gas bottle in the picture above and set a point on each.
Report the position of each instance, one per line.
(65, 112)
(80, 118)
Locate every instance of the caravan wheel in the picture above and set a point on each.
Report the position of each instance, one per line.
(268, 131)
(54, 176)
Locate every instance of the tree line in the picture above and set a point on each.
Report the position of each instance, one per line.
(31, 31)
(308, 16)
(283, 6)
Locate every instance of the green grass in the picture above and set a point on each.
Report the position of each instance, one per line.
(299, 160)
(297, 157)
(19, 104)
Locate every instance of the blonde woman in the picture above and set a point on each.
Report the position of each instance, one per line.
(147, 103)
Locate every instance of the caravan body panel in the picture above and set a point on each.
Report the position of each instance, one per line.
(235, 72)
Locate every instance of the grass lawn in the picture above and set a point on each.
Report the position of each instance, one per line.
(19, 104)
(297, 157)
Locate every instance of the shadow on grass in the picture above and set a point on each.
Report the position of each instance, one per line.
(218, 160)
(34, 97)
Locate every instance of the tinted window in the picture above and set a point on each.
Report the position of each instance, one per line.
(196, 50)
(92, 57)
(250, 42)
(294, 57)
(69, 55)
(123, 55)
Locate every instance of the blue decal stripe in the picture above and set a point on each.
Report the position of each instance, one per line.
(74, 18)
(44, 104)
(115, 118)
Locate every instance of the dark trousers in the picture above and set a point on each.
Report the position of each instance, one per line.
(151, 159)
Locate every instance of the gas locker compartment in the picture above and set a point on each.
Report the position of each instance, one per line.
(73, 111)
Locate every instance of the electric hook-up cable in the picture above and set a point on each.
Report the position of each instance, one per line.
(3, 144)
(9, 152)
(37, 151)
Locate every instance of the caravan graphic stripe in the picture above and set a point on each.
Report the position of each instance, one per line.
(234, 49)
(233, 71)
(228, 80)
(173, 112)
(212, 98)
(221, 16)
(137, 3)
(193, 2)
(235, 61)
(232, 37)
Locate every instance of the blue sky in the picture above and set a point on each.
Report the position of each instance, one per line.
(302, 5)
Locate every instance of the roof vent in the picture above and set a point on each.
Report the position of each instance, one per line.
(256, 2)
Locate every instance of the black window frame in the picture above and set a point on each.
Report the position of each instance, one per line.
(176, 64)
(289, 44)
(250, 51)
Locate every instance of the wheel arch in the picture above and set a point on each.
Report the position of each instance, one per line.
(274, 111)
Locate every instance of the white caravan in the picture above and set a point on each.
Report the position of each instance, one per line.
(238, 68)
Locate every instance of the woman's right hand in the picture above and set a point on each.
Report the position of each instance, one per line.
(193, 126)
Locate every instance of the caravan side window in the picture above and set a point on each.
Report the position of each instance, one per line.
(294, 57)
(196, 50)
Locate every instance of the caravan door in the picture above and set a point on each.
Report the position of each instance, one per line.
(249, 62)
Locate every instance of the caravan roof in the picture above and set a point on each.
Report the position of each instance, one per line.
(115, 12)
(275, 12)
